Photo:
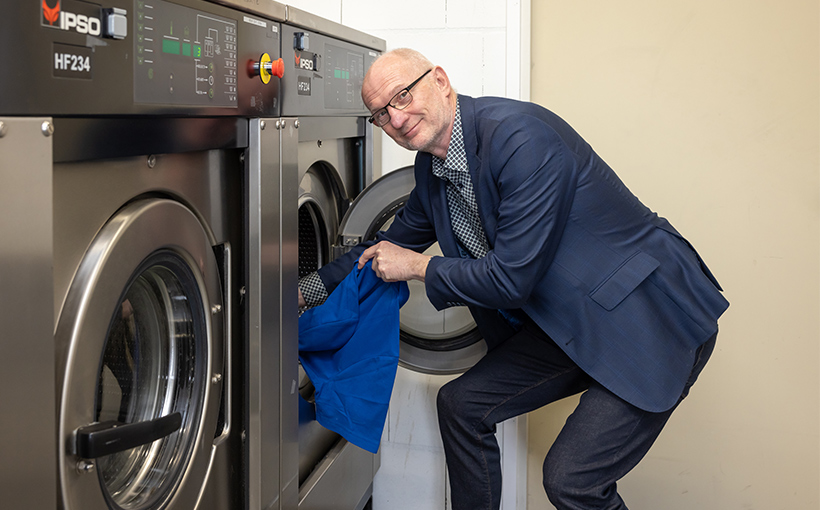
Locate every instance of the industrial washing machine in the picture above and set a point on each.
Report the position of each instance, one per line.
(327, 154)
(124, 143)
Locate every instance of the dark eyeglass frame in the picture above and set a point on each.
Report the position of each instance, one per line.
(372, 118)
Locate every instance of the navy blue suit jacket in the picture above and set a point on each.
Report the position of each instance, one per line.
(613, 283)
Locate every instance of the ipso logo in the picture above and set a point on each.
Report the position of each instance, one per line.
(71, 21)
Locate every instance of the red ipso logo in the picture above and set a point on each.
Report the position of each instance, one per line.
(64, 17)
(51, 14)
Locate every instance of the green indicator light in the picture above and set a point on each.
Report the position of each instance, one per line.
(186, 49)
(170, 46)
(337, 73)
(347, 75)
(197, 51)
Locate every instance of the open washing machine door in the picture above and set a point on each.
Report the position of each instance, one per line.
(432, 341)
(141, 383)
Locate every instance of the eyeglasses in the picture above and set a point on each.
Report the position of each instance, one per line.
(400, 101)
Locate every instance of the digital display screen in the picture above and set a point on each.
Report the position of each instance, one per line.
(344, 75)
(183, 56)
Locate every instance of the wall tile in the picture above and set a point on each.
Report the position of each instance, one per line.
(330, 9)
(368, 15)
(494, 65)
(475, 60)
(394, 156)
(476, 14)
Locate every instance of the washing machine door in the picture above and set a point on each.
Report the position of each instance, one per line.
(432, 341)
(142, 348)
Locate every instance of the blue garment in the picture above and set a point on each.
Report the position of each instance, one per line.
(349, 347)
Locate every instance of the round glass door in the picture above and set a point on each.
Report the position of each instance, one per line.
(140, 354)
(155, 348)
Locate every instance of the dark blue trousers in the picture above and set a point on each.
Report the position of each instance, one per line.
(603, 439)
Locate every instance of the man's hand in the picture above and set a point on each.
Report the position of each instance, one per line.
(395, 264)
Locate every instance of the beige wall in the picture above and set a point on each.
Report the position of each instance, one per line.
(709, 112)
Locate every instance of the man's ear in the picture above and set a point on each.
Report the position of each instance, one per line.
(442, 80)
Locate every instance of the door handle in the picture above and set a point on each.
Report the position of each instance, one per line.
(104, 438)
(223, 258)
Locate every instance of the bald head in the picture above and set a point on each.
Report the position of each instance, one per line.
(410, 59)
(394, 64)
(425, 123)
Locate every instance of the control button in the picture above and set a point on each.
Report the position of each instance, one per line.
(265, 68)
(115, 23)
(301, 41)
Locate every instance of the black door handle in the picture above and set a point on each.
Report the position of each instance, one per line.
(101, 439)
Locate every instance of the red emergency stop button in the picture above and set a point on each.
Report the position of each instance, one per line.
(266, 68)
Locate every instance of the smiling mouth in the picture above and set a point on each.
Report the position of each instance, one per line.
(410, 132)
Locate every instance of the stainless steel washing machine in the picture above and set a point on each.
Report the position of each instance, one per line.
(326, 162)
(142, 273)
(124, 155)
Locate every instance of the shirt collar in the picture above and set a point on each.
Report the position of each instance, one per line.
(456, 161)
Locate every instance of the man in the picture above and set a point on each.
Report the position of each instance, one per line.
(574, 283)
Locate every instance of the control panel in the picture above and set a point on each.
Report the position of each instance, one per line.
(184, 56)
(323, 76)
(138, 57)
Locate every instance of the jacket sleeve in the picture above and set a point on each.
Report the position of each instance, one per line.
(529, 175)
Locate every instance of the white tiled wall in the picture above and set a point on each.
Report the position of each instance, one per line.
(368, 15)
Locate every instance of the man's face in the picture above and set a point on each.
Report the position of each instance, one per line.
(425, 124)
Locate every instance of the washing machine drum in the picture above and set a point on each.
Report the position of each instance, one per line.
(432, 341)
(141, 372)
(320, 207)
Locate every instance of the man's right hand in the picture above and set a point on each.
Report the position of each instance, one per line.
(393, 263)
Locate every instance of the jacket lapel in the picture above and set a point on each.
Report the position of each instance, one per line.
(467, 105)
(472, 146)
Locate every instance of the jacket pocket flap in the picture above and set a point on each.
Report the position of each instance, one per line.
(623, 280)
